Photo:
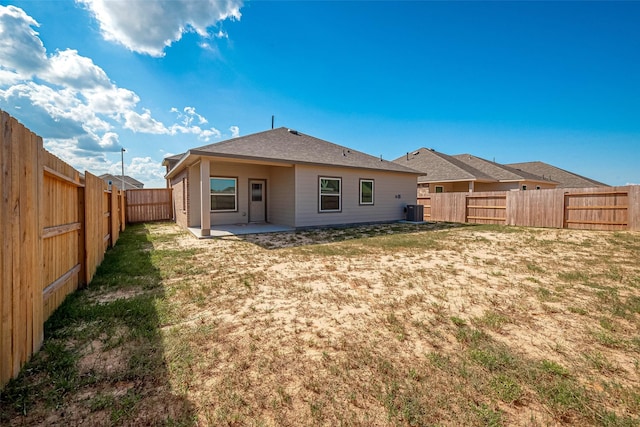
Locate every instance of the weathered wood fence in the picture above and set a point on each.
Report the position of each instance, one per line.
(149, 204)
(603, 208)
(54, 229)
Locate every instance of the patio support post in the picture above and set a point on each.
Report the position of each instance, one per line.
(205, 198)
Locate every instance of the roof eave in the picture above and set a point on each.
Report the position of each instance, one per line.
(200, 153)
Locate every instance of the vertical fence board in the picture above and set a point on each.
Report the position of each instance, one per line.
(6, 254)
(95, 222)
(38, 303)
(18, 290)
(29, 235)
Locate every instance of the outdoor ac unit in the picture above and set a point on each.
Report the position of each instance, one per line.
(415, 213)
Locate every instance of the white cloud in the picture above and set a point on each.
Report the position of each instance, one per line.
(144, 123)
(235, 131)
(18, 37)
(69, 69)
(187, 117)
(149, 27)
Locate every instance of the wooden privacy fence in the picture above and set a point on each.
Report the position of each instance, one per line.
(603, 208)
(54, 230)
(152, 204)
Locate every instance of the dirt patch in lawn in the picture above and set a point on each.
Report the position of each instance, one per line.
(396, 324)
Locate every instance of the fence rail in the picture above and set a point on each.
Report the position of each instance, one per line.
(54, 230)
(616, 208)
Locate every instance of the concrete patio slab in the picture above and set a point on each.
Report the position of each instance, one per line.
(240, 229)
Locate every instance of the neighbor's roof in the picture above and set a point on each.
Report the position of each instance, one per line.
(288, 146)
(497, 171)
(117, 179)
(439, 167)
(565, 178)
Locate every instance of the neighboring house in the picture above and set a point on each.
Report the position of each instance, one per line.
(507, 178)
(129, 183)
(285, 177)
(564, 178)
(466, 173)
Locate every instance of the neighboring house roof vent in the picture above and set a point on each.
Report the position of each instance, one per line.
(293, 131)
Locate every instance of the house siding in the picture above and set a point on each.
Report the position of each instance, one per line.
(243, 173)
(281, 196)
(179, 184)
(387, 206)
(193, 178)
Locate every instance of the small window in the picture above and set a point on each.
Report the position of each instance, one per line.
(439, 189)
(366, 191)
(330, 194)
(537, 187)
(256, 192)
(224, 194)
(524, 187)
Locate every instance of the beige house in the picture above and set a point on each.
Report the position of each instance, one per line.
(285, 177)
(442, 173)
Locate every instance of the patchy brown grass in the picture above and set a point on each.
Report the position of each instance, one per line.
(380, 325)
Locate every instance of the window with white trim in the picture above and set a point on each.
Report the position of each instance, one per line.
(329, 194)
(224, 194)
(366, 191)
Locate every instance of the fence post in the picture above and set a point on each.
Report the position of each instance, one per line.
(123, 216)
(634, 207)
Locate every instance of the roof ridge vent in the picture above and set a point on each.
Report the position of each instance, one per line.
(293, 131)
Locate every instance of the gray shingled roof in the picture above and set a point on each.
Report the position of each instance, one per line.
(496, 170)
(438, 167)
(565, 178)
(284, 145)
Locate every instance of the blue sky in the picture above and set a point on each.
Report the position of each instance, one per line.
(508, 81)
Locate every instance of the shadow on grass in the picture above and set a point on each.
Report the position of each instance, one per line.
(103, 358)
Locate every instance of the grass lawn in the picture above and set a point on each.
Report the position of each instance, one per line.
(389, 325)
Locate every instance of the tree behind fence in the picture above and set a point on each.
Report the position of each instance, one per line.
(54, 230)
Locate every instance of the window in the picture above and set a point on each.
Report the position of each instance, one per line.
(184, 194)
(256, 192)
(330, 194)
(366, 191)
(439, 189)
(224, 194)
(524, 187)
(537, 187)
